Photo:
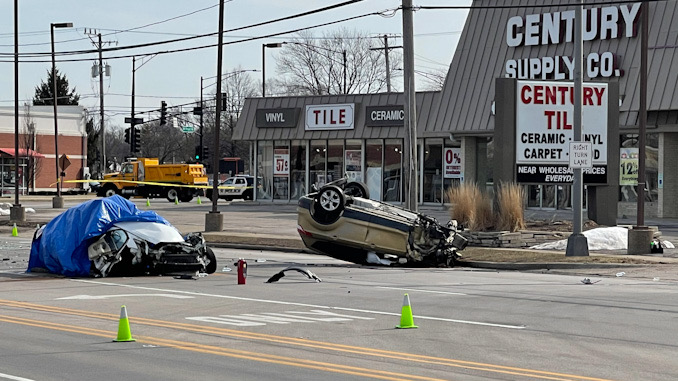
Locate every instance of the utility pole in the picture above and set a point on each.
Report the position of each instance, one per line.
(386, 49)
(410, 151)
(99, 45)
(132, 136)
(202, 108)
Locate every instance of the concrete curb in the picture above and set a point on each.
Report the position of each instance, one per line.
(543, 266)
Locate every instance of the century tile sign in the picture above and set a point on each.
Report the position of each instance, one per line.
(602, 23)
(544, 116)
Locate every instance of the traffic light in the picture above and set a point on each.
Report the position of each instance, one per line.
(205, 153)
(163, 112)
(136, 147)
(197, 153)
(127, 137)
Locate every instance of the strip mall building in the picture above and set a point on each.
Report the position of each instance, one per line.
(37, 161)
(494, 116)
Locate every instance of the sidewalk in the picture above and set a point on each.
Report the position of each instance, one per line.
(272, 226)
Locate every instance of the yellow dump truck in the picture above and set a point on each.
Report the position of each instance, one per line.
(147, 178)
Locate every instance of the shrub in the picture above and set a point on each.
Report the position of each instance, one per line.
(470, 207)
(511, 198)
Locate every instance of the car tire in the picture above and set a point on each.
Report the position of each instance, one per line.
(185, 196)
(328, 204)
(356, 189)
(247, 195)
(208, 194)
(172, 194)
(109, 190)
(212, 266)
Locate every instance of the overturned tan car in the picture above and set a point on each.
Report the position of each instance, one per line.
(340, 221)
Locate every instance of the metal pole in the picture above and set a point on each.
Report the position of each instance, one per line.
(577, 244)
(642, 115)
(16, 103)
(409, 157)
(388, 67)
(56, 125)
(217, 121)
(202, 111)
(101, 103)
(132, 125)
(263, 70)
(344, 56)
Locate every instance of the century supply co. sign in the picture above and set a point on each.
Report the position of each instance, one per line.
(277, 117)
(384, 116)
(544, 117)
(330, 117)
(554, 28)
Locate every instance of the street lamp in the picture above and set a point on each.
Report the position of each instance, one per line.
(263, 64)
(58, 201)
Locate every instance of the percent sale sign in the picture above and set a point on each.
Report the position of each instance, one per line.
(544, 131)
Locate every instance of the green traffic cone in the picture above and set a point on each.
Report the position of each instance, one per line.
(15, 231)
(148, 201)
(199, 201)
(124, 333)
(406, 319)
(176, 200)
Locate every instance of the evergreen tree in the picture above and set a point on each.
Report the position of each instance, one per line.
(44, 95)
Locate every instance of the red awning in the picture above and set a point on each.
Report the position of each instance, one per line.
(23, 152)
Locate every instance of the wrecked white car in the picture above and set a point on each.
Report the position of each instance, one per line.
(340, 221)
(111, 237)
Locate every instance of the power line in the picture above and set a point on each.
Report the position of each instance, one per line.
(144, 45)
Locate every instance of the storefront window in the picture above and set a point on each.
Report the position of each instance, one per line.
(281, 170)
(393, 152)
(432, 190)
(264, 170)
(373, 160)
(298, 168)
(317, 163)
(353, 160)
(335, 160)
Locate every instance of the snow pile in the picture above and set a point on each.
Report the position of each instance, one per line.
(610, 238)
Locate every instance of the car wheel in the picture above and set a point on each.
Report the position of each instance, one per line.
(212, 266)
(247, 195)
(356, 189)
(172, 194)
(109, 191)
(208, 194)
(185, 196)
(328, 204)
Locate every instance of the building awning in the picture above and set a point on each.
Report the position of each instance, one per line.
(23, 152)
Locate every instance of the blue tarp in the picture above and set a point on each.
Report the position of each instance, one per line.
(62, 247)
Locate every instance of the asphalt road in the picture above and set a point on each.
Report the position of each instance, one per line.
(472, 325)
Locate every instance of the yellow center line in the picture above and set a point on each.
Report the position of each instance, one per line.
(410, 357)
(220, 351)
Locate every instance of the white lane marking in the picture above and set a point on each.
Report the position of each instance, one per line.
(425, 291)
(248, 320)
(300, 304)
(92, 297)
(17, 378)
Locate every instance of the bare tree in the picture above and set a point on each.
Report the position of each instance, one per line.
(29, 142)
(433, 79)
(339, 62)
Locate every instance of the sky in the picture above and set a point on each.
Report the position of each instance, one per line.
(175, 77)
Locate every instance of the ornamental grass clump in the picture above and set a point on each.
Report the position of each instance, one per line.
(470, 207)
(511, 199)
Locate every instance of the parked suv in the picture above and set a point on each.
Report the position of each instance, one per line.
(239, 186)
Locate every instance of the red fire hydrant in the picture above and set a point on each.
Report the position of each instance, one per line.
(242, 271)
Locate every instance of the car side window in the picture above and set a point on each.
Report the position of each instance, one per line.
(240, 181)
(228, 182)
